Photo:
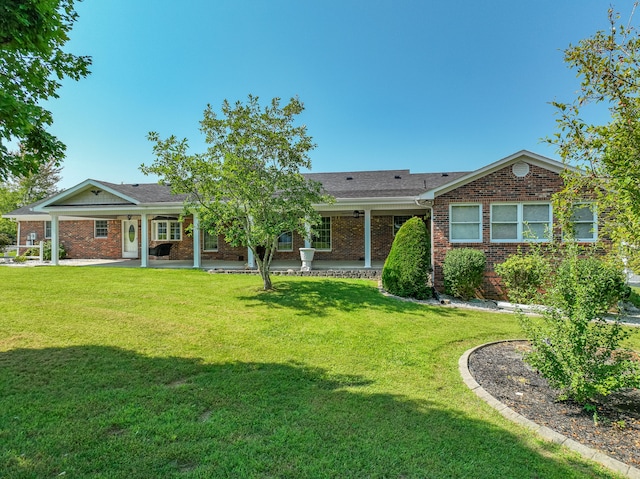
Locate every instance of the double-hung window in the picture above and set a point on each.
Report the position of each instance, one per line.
(285, 241)
(465, 223)
(209, 241)
(47, 229)
(100, 228)
(321, 240)
(515, 222)
(166, 230)
(584, 222)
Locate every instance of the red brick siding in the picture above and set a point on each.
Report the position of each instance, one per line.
(347, 241)
(501, 186)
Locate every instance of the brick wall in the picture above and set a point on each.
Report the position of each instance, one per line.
(347, 238)
(500, 186)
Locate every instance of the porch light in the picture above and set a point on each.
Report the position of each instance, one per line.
(356, 213)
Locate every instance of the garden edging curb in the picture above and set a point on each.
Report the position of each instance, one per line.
(545, 432)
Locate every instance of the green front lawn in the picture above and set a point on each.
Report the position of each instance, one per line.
(127, 373)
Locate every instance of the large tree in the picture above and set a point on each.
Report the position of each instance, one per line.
(607, 153)
(32, 64)
(248, 184)
(16, 192)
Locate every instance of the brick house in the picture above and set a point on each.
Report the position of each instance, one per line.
(495, 208)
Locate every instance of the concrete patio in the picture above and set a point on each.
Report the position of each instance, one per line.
(208, 265)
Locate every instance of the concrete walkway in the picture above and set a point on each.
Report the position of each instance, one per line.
(205, 265)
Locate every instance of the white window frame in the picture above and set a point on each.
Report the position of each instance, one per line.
(593, 222)
(479, 223)
(288, 250)
(47, 227)
(521, 223)
(154, 230)
(204, 243)
(314, 238)
(95, 229)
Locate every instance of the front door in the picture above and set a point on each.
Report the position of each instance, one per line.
(129, 238)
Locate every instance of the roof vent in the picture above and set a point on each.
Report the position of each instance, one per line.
(349, 177)
(397, 177)
(520, 169)
(445, 174)
(135, 184)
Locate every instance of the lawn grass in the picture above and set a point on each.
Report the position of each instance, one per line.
(132, 373)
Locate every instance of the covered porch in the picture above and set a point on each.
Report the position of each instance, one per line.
(276, 265)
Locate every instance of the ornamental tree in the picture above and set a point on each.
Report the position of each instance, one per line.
(606, 153)
(247, 185)
(32, 63)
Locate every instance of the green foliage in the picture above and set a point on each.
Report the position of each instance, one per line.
(406, 269)
(463, 270)
(248, 184)
(524, 275)
(46, 251)
(20, 259)
(32, 34)
(607, 155)
(5, 241)
(572, 345)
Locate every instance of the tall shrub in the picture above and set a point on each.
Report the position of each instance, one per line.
(406, 270)
(572, 345)
(524, 275)
(463, 270)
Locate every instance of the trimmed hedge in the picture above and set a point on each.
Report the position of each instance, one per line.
(463, 270)
(407, 268)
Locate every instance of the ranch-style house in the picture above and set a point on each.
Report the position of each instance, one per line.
(495, 209)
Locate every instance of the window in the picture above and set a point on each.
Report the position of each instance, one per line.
(165, 230)
(209, 241)
(520, 222)
(322, 239)
(398, 221)
(100, 228)
(584, 222)
(465, 223)
(47, 229)
(285, 241)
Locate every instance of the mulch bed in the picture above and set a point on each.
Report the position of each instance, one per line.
(500, 370)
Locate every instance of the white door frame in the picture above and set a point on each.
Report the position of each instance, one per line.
(131, 252)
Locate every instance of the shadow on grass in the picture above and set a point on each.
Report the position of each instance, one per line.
(93, 411)
(318, 297)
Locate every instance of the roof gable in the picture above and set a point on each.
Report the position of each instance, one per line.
(522, 156)
(88, 193)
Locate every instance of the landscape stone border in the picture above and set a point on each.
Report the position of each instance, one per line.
(543, 431)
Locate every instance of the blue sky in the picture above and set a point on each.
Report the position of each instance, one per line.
(423, 85)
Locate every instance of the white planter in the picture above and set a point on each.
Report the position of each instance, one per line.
(306, 255)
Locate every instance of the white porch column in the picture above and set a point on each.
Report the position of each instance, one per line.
(196, 240)
(251, 261)
(367, 238)
(144, 240)
(307, 237)
(55, 240)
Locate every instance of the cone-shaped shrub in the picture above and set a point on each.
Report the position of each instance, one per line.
(406, 270)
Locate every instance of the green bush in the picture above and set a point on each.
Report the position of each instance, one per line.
(20, 259)
(589, 285)
(4, 242)
(407, 268)
(463, 270)
(524, 275)
(572, 345)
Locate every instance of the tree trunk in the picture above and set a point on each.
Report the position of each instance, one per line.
(266, 279)
(264, 266)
